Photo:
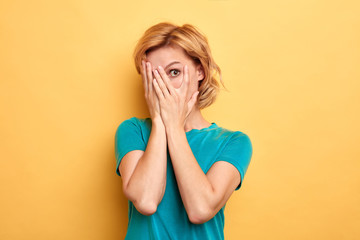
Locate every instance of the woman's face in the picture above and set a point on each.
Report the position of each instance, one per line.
(173, 59)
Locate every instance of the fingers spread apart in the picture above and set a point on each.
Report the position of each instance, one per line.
(161, 83)
(158, 91)
(166, 80)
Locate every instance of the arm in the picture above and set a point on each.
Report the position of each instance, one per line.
(144, 173)
(203, 195)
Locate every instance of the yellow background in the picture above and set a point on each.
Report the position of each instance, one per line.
(67, 80)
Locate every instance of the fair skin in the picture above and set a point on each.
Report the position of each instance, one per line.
(170, 79)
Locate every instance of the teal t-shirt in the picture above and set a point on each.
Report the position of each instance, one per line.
(170, 221)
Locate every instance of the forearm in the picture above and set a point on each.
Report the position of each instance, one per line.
(195, 189)
(147, 183)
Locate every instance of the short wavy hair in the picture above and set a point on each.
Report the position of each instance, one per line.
(195, 45)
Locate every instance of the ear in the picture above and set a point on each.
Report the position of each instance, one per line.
(200, 72)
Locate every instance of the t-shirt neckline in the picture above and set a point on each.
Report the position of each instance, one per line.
(213, 125)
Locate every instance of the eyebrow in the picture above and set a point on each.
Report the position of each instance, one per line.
(172, 63)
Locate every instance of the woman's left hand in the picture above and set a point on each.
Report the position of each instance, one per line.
(174, 106)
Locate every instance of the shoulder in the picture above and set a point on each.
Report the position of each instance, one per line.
(132, 131)
(234, 140)
(133, 126)
(240, 136)
(232, 135)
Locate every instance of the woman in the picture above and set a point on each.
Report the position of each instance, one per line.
(178, 170)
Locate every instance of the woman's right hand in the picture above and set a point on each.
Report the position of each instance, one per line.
(150, 94)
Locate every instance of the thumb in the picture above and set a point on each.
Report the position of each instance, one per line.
(192, 101)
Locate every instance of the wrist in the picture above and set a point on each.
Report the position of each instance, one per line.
(157, 122)
(174, 130)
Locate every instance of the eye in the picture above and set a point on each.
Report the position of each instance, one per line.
(174, 72)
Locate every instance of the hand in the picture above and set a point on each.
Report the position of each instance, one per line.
(150, 96)
(174, 106)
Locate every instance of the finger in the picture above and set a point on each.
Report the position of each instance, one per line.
(161, 84)
(144, 77)
(149, 76)
(192, 101)
(185, 83)
(158, 91)
(166, 80)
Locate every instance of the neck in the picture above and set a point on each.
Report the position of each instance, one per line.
(195, 120)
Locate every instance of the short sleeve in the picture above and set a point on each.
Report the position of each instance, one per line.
(238, 152)
(128, 137)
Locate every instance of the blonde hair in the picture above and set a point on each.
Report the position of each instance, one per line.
(195, 45)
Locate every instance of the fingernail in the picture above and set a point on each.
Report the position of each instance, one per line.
(156, 71)
(159, 67)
